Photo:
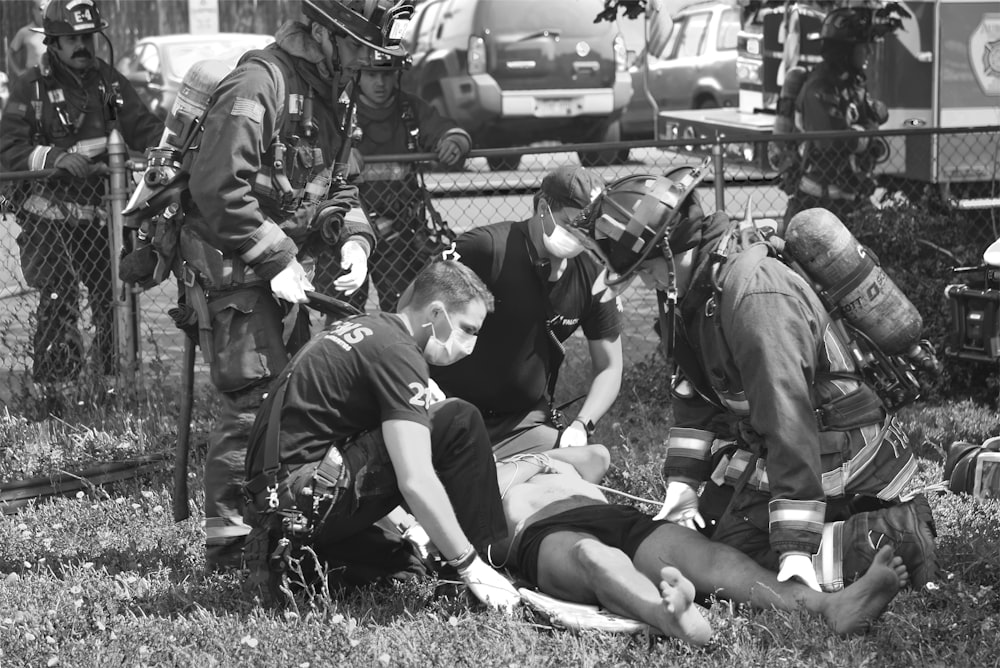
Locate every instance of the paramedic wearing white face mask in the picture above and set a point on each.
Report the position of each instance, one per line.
(546, 288)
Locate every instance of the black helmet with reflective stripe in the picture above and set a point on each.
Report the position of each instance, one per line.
(379, 24)
(71, 17)
(635, 215)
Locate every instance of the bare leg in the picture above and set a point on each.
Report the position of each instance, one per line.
(717, 569)
(577, 567)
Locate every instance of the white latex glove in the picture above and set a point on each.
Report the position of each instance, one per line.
(434, 392)
(419, 539)
(573, 436)
(680, 506)
(291, 284)
(798, 565)
(354, 262)
(489, 586)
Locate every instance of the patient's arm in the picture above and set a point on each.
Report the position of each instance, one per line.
(591, 461)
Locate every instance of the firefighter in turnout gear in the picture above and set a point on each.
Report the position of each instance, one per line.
(803, 465)
(268, 196)
(836, 174)
(392, 193)
(59, 116)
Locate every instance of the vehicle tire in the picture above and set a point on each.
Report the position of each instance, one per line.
(503, 162)
(606, 157)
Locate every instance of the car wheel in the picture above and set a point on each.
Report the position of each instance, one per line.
(606, 157)
(503, 162)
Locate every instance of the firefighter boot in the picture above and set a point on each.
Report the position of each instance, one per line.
(908, 527)
(262, 578)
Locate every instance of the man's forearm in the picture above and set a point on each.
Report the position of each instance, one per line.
(431, 506)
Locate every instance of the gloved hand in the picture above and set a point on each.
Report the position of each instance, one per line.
(489, 586)
(434, 392)
(291, 284)
(452, 149)
(798, 565)
(74, 164)
(681, 506)
(354, 262)
(421, 542)
(573, 436)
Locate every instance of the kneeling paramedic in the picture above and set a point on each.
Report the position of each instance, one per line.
(804, 465)
(348, 433)
(266, 203)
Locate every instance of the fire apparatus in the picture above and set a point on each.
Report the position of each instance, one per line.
(941, 70)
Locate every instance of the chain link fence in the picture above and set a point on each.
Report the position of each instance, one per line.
(57, 292)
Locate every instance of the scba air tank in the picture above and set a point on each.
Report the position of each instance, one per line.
(846, 271)
(192, 101)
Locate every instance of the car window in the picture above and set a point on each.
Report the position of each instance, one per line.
(690, 42)
(729, 30)
(530, 16)
(149, 59)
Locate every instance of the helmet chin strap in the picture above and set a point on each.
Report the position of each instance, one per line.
(666, 301)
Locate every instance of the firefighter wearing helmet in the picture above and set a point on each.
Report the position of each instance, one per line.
(269, 197)
(836, 174)
(758, 363)
(59, 115)
(394, 122)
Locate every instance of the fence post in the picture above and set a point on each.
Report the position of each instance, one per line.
(719, 169)
(124, 298)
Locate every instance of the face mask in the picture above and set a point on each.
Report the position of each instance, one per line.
(561, 243)
(459, 344)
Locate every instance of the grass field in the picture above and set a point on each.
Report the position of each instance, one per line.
(107, 579)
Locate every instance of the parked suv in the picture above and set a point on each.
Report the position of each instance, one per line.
(513, 72)
(695, 70)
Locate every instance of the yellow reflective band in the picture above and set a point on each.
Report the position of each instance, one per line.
(355, 215)
(690, 443)
(895, 488)
(829, 561)
(269, 235)
(805, 515)
(833, 482)
(221, 528)
(36, 161)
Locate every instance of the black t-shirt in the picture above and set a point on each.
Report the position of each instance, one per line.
(351, 377)
(508, 370)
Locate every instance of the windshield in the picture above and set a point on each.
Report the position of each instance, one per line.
(178, 58)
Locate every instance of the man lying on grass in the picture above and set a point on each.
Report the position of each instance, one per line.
(566, 539)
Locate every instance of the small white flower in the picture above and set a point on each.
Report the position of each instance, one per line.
(249, 641)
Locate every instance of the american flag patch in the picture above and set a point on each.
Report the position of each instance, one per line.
(252, 110)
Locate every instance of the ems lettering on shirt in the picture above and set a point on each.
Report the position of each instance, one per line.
(347, 334)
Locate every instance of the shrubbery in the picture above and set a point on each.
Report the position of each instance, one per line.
(918, 244)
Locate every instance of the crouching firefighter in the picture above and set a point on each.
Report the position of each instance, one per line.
(803, 463)
(348, 433)
(264, 202)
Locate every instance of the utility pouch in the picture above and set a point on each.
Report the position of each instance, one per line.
(247, 338)
(857, 409)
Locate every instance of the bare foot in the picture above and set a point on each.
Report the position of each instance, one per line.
(852, 610)
(680, 617)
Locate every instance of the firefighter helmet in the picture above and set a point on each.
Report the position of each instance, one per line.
(71, 17)
(848, 24)
(379, 24)
(378, 61)
(635, 215)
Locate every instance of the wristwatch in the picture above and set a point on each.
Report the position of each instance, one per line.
(588, 426)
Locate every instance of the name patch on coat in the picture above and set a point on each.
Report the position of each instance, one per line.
(252, 110)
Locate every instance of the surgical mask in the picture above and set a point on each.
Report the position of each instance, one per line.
(459, 344)
(561, 243)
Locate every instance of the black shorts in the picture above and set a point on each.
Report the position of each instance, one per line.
(617, 526)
